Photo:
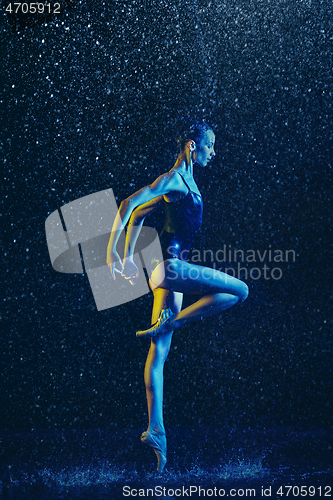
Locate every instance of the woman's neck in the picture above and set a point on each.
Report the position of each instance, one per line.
(184, 164)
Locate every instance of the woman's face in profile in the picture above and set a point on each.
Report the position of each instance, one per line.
(204, 151)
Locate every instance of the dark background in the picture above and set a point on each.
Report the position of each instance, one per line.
(91, 99)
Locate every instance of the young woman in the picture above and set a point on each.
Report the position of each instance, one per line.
(173, 276)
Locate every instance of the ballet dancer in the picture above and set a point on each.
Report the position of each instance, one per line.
(173, 276)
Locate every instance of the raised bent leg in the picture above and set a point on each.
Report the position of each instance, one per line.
(220, 290)
(206, 306)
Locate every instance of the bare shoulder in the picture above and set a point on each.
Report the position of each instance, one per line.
(171, 180)
(163, 185)
(169, 176)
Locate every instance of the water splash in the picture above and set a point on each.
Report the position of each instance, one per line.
(107, 474)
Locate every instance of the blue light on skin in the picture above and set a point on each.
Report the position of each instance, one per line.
(204, 151)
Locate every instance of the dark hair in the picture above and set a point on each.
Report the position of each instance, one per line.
(191, 130)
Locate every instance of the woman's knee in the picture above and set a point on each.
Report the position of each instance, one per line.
(243, 291)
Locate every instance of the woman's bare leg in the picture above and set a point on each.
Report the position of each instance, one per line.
(169, 281)
(220, 290)
(158, 352)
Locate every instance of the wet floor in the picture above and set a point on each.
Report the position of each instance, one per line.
(100, 464)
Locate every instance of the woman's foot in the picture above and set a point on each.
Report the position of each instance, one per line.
(162, 325)
(157, 441)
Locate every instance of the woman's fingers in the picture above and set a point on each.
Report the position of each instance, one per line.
(114, 270)
(110, 266)
(130, 271)
(131, 277)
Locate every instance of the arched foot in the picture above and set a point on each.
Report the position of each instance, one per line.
(158, 442)
(162, 325)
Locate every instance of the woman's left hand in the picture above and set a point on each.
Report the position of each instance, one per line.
(130, 271)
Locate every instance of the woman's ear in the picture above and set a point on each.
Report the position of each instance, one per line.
(191, 146)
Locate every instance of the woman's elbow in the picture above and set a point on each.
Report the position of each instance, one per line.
(125, 207)
(137, 216)
(124, 204)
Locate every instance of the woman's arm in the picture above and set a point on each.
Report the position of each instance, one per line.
(135, 224)
(129, 269)
(162, 185)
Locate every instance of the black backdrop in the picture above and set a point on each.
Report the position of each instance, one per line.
(90, 100)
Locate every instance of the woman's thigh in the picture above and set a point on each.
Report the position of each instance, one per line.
(180, 276)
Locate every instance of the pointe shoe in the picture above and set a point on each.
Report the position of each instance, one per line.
(162, 325)
(157, 441)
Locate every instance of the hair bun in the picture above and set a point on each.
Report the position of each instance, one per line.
(189, 129)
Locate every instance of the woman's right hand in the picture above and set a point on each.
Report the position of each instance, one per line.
(112, 259)
(130, 270)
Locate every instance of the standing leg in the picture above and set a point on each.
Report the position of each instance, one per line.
(158, 352)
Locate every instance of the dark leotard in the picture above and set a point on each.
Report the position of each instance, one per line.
(183, 221)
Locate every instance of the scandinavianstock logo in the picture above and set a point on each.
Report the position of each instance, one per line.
(77, 238)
